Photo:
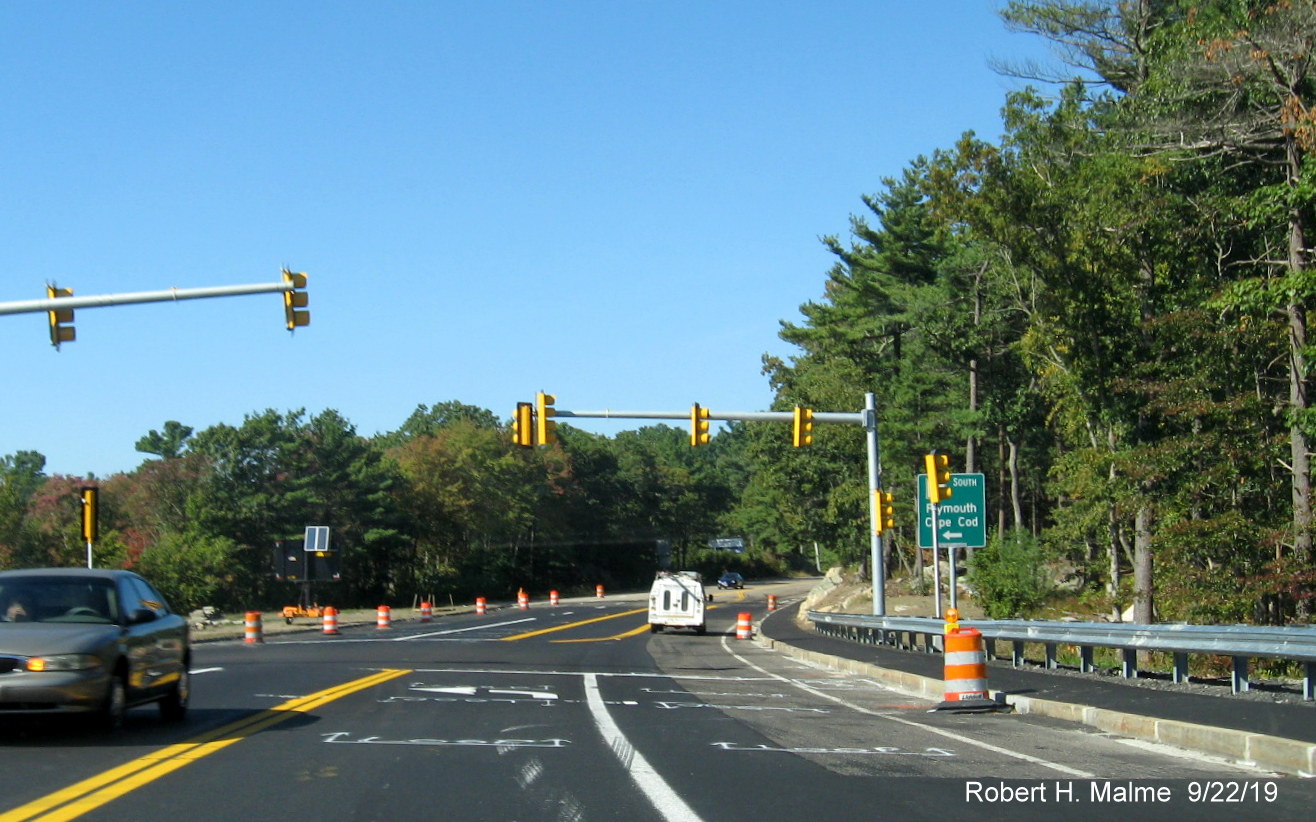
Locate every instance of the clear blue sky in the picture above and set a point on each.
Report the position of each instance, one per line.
(616, 202)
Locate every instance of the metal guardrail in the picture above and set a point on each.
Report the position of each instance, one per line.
(1241, 643)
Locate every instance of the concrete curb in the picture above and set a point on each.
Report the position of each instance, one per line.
(1272, 753)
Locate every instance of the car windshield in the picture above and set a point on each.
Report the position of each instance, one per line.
(58, 599)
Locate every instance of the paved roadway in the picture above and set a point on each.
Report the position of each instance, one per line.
(579, 713)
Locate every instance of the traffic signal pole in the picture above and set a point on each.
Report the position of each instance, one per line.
(875, 503)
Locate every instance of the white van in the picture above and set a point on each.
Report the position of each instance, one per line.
(676, 600)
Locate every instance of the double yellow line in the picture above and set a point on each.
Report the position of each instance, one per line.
(92, 793)
(570, 625)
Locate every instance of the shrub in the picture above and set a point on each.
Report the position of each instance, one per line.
(1010, 575)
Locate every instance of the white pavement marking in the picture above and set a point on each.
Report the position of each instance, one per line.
(665, 801)
(462, 630)
(940, 731)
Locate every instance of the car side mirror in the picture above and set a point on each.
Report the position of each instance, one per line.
(141, 616)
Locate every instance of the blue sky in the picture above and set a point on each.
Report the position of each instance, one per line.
(616, 202)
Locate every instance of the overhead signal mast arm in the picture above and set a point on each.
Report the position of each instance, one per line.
(60, 302)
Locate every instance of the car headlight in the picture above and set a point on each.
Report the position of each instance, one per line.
(64, 662)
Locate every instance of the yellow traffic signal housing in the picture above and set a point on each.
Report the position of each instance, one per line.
(699, 434)
(802, 428)
(523, 425)
(61, 322)
(90, 511)
(886, 511)
(295, 301)
(938, 471)
(544, 413)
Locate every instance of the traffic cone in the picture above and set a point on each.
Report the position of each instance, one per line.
(253, 630)
(480, 606)
(384, 617)
(426, 612)
(331, 621)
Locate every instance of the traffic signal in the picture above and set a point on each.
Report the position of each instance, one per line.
(886, 511)
(938, 470)
(295, 300)
(61, 322)
(802, 429)
(699, 425)
(89, 514)
(544, 413)
(523, 424)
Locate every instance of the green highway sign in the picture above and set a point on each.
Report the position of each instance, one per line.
(962, 519)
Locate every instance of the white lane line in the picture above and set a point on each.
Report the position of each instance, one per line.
(462, 630)
(665, 801)
(1065, 769)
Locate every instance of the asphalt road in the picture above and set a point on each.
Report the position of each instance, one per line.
(579, 713)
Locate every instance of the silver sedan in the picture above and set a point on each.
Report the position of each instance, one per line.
(88, 640)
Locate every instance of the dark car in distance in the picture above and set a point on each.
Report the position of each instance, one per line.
(82, 640)
(730, 580)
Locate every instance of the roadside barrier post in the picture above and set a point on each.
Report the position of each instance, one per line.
(384, 617)
(331, 621)
(253, 630)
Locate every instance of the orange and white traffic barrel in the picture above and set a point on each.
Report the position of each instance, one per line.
(480, 606)
(522, 599)
(426, 612)
(553, 598)
(331, 621)
(598, 591)
(744, 630)
(253, 630)
(966, 673)
(384, 617)
(772, 602)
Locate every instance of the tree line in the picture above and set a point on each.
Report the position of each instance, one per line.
(445, 506)
(1104, 311)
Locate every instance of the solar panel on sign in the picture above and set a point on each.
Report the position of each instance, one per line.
(317, 538)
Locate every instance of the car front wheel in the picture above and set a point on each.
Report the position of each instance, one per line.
(174, 706)
(116, 704)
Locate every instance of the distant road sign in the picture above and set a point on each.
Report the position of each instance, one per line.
(963, 517)
(736, 544)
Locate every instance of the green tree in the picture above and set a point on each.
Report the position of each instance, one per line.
(168, 444)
